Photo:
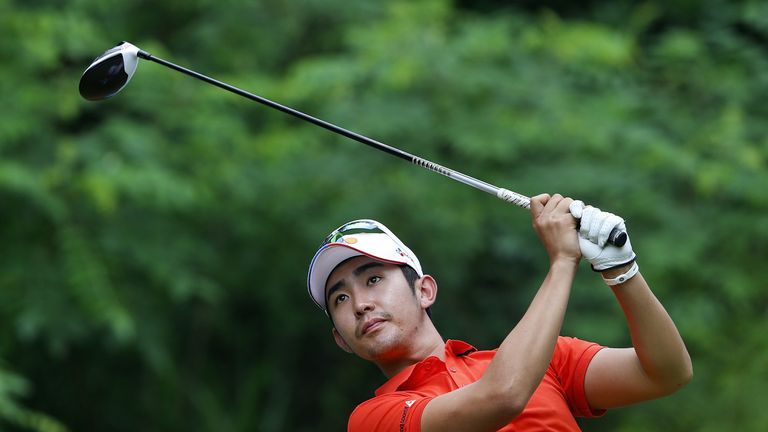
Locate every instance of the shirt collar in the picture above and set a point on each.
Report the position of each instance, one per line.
(453, 348)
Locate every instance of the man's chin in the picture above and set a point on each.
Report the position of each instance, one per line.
(379, 346)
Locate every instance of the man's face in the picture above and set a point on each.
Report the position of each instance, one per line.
(374, 309)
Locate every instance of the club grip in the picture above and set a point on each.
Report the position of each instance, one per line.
(617, 237)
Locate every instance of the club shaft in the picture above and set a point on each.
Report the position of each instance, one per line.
(616, 237)
(519, 200)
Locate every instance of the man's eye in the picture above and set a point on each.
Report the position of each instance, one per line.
(340, 298)
(373, 279)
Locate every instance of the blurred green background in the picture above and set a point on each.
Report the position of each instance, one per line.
(154, 246)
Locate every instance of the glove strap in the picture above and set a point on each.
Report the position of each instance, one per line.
(620, 279)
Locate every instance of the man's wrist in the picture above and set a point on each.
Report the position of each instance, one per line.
(622, 277)
(615, 271)
(564, 264)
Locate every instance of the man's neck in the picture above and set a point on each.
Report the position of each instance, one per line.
(428, 344)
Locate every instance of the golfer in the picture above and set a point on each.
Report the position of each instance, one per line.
(374, 290)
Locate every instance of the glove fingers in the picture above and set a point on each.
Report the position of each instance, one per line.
(576, 208)
(610, 221)
(595, 223)
(586, 221)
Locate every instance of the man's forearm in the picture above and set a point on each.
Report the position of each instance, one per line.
(657, 342)
(523, 357)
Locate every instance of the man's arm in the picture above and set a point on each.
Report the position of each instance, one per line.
(658, 364)
(522, 359)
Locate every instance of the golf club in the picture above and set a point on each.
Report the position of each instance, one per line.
(111, 71)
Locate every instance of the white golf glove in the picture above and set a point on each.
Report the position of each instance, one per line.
(594, 228)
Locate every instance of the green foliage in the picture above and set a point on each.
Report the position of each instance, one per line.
(155, 244)
(13, 386)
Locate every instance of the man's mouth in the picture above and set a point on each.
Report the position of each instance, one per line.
(371, 325)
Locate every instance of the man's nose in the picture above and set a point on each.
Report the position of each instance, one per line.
(363, 307)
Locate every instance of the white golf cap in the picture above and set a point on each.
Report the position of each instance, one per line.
(360, 237)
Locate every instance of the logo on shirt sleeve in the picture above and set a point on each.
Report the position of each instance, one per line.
(408, 405)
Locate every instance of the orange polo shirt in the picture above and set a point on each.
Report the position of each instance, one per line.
(399, 403)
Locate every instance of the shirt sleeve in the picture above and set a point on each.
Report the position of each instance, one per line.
(570, 361)
(397, 411)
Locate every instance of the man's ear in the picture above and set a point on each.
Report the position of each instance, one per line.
(426, 286)
(340, 341)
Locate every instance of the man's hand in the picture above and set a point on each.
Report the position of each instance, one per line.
(594, 229)
(555, 227)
